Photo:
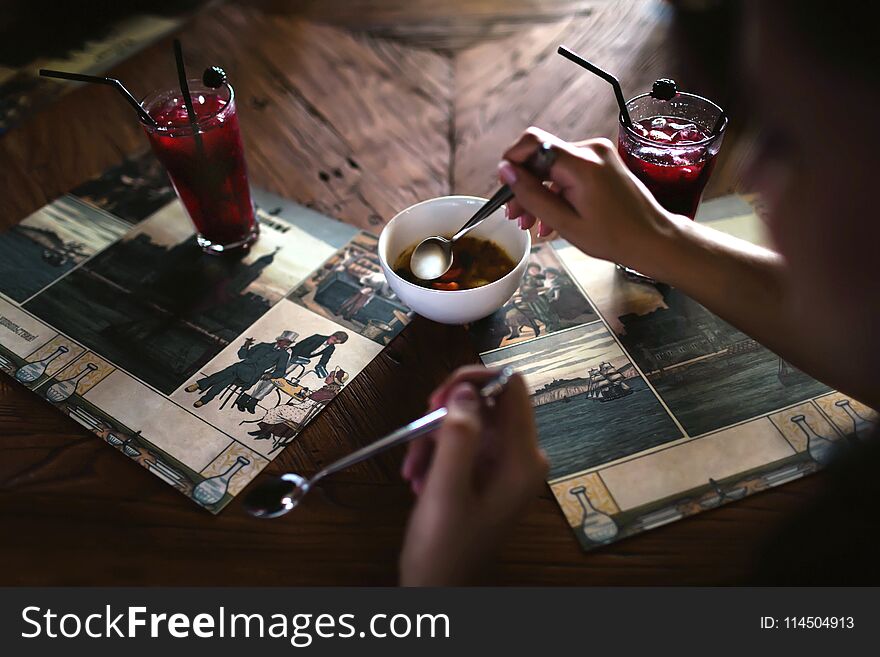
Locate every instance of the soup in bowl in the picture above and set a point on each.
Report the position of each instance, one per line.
(485, 273)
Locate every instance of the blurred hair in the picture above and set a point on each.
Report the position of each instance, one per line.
(710, 33)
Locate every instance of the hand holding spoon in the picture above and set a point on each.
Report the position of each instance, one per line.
(279, 495)
(433, 256)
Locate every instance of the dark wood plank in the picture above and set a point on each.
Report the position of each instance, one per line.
(447, 26)
(399, 123)
(504, 86)
(371, 115)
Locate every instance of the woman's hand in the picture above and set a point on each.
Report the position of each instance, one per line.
(473, 477)
(593, 200)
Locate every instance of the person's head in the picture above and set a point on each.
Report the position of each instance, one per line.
(551, 273)
(338, 338)
(534, 268)
(809, 89)
(286, 339)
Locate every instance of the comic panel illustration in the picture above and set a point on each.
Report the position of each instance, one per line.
(74, 379)
(673, 482)
(674, 470)
(52, 241)
(808, 430)
(228, 474)
(708, 373)
(20, 335)
(155, 305)
(44, 363)
(266, 386)
(547, 301)
(283, 215)
(350, 289)
(852, 418)
(585, 391)
(171, 443)
(148, 422)
(131, 190)
(588, 507)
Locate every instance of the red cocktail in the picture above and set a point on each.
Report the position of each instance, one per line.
(671, 146)
(207, 169)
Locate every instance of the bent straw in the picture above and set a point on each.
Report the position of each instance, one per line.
(113, 82)
(605, 75)
(187, 99)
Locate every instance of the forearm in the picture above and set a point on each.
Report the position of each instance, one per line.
(742, 283)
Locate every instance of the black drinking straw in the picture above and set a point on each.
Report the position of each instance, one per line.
(113, 82)
(187, 99)
(605, 75)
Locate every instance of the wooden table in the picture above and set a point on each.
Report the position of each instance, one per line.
(358, 110)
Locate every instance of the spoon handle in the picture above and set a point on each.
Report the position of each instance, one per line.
(414, 429)
(498, 199)
(538, 164)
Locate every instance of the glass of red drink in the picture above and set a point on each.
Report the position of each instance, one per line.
(207, 168)
(671, 147)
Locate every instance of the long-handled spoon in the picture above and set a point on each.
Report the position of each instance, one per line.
(279, 495)
(433, 256)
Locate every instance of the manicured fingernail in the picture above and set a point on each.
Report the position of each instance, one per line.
(522, 222)
(506, 172)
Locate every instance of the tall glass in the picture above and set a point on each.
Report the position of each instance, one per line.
(671, 147)
(207, 168)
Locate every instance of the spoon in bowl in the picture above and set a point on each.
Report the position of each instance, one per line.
(433, 256)
(279, 495)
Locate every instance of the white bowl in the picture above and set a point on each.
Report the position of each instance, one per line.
(444, 216)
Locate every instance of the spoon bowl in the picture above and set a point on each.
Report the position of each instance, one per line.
(431, 258)
(277, 496)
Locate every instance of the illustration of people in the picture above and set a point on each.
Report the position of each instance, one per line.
(563, 298)
(357, 263)
(302, 353)
(553, 283)
(317, 345)
(284, 421)
(372, 285)
(265, 360)
(530, 307)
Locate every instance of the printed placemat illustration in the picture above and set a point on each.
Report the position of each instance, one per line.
(199, 368)
(649, 407)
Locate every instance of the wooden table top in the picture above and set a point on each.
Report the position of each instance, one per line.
(357, 113)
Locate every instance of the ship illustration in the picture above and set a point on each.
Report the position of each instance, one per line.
(604, 383)
(607, 383)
